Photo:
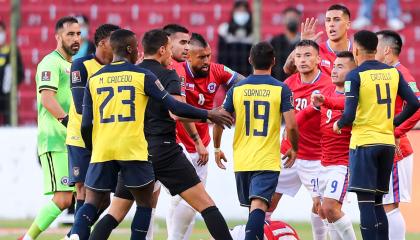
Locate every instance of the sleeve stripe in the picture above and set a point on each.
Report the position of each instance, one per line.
(47, 87)
(230, 79)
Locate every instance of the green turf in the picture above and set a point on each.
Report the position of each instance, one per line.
(200, 231)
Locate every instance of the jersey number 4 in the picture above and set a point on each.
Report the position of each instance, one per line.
(108, 98)
(386, 100)
(264, 115)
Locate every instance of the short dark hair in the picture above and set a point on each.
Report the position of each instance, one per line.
(367, 40)
(104, 31)
(340, 7)
(153, 40)
(345, 54)
(174, 28)
(292, 9)
(2, 24)
(120, 40)
(198, 39)
(67, 19)
(393, 39)
(262, 56)
(308, 43)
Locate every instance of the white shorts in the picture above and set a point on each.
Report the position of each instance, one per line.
(400, 183)
(304, 172)
(193, 158)
(333, 182)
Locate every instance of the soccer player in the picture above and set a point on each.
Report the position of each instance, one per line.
(388, 51)
(114, 127)
(54, 97)
(335, 148)
(307, 167)
(372, 144)
(337, 24)
(203, 78)
(81, 70)
(259, 102)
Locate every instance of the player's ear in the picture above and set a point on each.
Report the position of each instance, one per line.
(318, 59)
(249, 60)
(387, 50)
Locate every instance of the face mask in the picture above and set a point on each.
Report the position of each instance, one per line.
(292, 25)
(2, 37)
(84, 33)
(241, 18)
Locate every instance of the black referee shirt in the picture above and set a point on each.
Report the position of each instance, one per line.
(157, 122)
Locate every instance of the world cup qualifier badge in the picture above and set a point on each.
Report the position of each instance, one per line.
(46, 76)
(211, 87)
(75, 77)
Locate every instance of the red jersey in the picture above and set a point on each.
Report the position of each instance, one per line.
(309, 135)
(275, 230)
(180, 70)
(404, 149)
(200, 93)
(328, 57)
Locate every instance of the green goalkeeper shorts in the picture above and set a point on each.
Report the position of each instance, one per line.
(56, 172)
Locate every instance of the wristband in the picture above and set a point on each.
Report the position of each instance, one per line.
(217, 150)
(64, 120)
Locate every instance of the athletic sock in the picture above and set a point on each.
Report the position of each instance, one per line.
(84, 220)
(187, 235)
(333, 232)
(368, 223)
(140, 223)
(182, 217)
(344, 228)
(216, 224)
(396, 224)
(169, 217)
(79, 204)
(381, 218)
(149, 235)
(255, 226)
(45, 217)
(319, 229)
(104, 228)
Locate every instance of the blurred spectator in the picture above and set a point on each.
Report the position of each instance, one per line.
(6, 75)
(86, 46)
(284, 43)
(393, 10)
(236, 38)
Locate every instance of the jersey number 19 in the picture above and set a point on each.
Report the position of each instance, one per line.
(263, 115)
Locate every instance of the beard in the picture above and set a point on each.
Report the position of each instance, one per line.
(72, 49)
(198, 73)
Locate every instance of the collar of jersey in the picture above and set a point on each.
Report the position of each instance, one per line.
(317, 77)
(338, 92)
(118, 62)
(332, 51)
(189, 71)
(59, 54)
(396, 64)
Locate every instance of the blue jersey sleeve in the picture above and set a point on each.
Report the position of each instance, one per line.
(87, 118)
(351, 87)
(78, 74)
(286, 99)
(228, 103)
(412, 104)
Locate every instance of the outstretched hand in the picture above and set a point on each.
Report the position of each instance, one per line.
(308, 30)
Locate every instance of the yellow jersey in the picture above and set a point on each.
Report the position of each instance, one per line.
(81, 70)
(258, 102)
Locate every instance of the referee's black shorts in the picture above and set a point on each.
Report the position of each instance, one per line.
(171, 168)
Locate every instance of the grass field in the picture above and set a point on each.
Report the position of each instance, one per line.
(11, 230)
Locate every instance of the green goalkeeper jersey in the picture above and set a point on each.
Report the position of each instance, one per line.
(53, 73)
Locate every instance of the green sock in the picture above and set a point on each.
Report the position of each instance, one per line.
(43, 220)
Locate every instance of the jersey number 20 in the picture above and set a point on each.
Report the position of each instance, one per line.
(264, 115)
(130, 102)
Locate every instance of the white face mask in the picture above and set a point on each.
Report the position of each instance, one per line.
(2, 38)
(241, 18)
(84, 33)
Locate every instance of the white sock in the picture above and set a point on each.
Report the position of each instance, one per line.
(396, 225)
(268, 216)
(345, 228)
(174, 202)
(319, 230)
(189, 230)
(333, 232)
(182, 217)
(149, 235)
(27, 237)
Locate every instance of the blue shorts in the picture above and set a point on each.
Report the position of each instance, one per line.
(103, 176)
(256, 184)
(79, 159)
(370, 168)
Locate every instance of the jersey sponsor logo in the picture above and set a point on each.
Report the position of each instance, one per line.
(75, 77)
(159, 85)
(46, 76)
(76, 171)
(413, 87)
(190, 86)
(347, 86)
(211, 87)
(325, 63)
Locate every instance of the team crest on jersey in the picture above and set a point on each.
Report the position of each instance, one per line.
(347, 86)
(413, 87)
(46, 76)
(159, 85)
(211, 87)
(76, 171)
(325, 63)
(75, 77)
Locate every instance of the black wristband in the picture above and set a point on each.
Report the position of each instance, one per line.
(64, 120)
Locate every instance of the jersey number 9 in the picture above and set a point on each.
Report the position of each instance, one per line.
(108, 98)
(257, 116)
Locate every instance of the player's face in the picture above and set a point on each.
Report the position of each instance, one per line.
(105, 45)
(336, 24)
(200, 60)
(133, 50)
(167, 54)
(306, 59)
(180, 46)
(69, 38)
(342, 66)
